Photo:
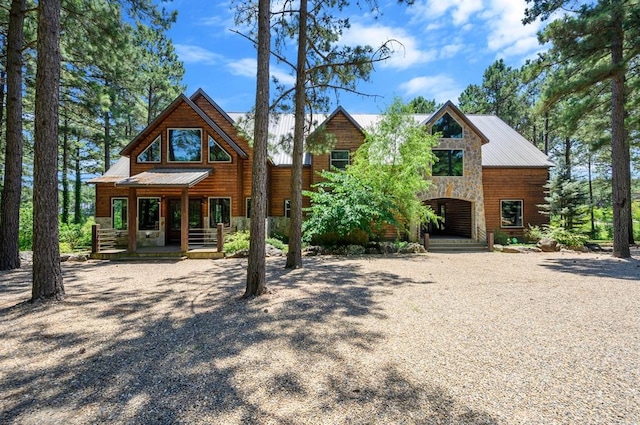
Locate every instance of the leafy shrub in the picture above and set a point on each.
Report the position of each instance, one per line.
(236, 242)
(76, 235)
(500, 237)
(277, 243)
(563, 236)
(26, 227)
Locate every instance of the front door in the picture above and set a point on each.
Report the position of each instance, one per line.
(174, 215)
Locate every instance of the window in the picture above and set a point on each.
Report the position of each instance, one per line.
(449, 163)
(339, 159)
(448, 126)
(219, 211)
(217, 153)
(148, 213)
(185, 144)
(151, 153)
(511, 213)
(119, 213)
(287, 208)
(248, 202)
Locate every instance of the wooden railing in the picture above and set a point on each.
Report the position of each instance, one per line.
(209, 237)
(106, 238)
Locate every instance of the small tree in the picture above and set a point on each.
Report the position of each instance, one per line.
(567, 202)
(389, 171)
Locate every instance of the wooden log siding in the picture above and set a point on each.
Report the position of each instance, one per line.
(348, 138)
(514, 183)
(280, 189)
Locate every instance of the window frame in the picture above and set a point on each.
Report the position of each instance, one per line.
(450, 163)
(212, 225)
(287, 208)
(521, 215)
(434, 131)
(139, 222)
(126, 212)
(215, 142)
(169, 130)
(331, 159)
(157, 139)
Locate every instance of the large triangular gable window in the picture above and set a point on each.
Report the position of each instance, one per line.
(448, 126)
(217, 152)
(151, 153)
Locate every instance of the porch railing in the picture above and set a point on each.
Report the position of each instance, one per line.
(105, 238)
(209, 237)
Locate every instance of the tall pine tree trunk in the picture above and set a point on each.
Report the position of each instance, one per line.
(47, 275)
(620, 157)
(107, 141)
(12, 188)
(294, 256)
(77, 213)
(65, 172)
(256, 274)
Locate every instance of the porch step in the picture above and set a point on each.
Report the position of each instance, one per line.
(456, 245)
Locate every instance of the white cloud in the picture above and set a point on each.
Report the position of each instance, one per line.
(244, 67)
(430, 10)
(247, 68)
(507, 35)
(499, 20)
(406, 47)
(439, 87)
(195, 54)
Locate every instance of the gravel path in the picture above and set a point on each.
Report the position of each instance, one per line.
(434, 338)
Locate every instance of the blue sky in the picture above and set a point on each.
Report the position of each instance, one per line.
(447, 46)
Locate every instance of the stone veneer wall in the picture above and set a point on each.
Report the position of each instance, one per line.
(468, 187)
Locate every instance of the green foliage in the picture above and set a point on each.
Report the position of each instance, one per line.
(563, 236)
(500, 237)
(389, 170)
(239, 241)
(76, 236)
(420, 105)
(236, 242)
(26, 227)
(566, 200)
(277, 243)
(343, 202)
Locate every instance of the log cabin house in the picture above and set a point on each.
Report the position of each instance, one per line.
(190, 169)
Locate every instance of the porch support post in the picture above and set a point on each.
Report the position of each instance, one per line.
(184, 220)
(95, 238)
(490, 241)
(220, 237)
(132, 220)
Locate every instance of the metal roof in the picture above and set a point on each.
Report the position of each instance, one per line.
(166, 177)
(116, 172)
(505, 147)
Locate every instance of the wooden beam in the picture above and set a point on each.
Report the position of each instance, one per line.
(184, 220)
(132, 225)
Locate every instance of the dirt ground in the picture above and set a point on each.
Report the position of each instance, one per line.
(486, 338)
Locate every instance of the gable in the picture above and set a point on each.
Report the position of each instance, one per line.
(459, 117)
(181, 113)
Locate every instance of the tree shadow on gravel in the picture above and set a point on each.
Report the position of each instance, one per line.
(617, 268)
(206, 356)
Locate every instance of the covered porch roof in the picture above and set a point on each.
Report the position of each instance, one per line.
(166, 177)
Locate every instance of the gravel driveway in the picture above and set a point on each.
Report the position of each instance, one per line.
(483, 338)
